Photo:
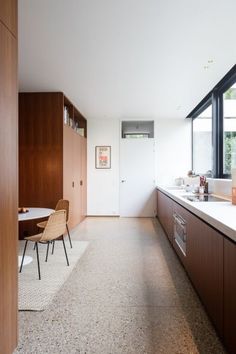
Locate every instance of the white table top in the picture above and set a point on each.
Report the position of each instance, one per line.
(35, 213)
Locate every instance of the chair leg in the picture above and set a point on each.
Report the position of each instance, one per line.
(37, 251)
(46, 259)
(22, 261)
(65, 250)
(67, 228)
(38, 230)
(53, 244)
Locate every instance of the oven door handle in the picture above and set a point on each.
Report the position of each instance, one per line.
(179, 220)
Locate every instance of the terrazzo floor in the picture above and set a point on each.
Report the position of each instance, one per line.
(127, 294)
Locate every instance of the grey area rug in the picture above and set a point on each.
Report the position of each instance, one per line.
(35, 294)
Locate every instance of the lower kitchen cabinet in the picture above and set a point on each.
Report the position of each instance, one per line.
(230, 295)
(205, 267)
(203, 260)
(165, 213)
(202, 253)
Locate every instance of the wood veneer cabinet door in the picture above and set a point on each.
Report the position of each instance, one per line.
(50, 155)
(161, 208)
(230, 295)
(8, 191)
(40, 149)
(205, 266)
(73, 151)
(84, 176)
(68, 172)
(8, 14)
(77, 195)
(165, 213)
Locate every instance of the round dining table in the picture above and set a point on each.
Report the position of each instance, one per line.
(31, 214)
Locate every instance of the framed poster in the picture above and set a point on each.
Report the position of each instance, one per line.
(103, 157)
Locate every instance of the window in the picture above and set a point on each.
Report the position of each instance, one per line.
(137, 129)
(214, 130)
(229, 132)
(202, 142)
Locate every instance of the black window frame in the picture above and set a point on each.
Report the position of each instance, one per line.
(215, 97)
(207, 102)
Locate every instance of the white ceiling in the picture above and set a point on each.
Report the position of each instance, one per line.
(126, 58)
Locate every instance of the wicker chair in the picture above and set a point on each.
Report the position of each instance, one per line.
(54, 228)
(62, 204)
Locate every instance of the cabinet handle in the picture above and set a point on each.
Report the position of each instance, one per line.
(73, 184)
(81, 183)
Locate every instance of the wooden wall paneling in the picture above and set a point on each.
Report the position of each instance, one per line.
(77, 175)
(8, 190)
(84, 177)
(50, 155)
(40, 149)
(8, 15)
(68, 171)
(40, 153)
(229, 295)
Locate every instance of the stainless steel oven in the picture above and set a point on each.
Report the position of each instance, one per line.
(180, 232)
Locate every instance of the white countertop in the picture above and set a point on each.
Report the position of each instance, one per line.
(221, 215)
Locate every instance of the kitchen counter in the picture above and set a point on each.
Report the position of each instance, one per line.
(220, 215)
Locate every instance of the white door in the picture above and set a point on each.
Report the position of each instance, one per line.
(137, 178)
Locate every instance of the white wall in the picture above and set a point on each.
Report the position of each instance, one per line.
(173, 159)
(173, 149)
(103, 185)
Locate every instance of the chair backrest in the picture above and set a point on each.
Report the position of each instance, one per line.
(55, 227)
(63, 204)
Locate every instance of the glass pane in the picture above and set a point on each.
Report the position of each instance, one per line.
(202, 142)
(136, 136)
(229, 100)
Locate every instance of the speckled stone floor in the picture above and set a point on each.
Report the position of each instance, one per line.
(128, 294)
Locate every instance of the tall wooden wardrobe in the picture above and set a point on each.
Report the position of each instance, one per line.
(8, 176)
(52, 154)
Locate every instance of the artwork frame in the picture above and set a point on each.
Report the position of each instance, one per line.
(103, 157)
